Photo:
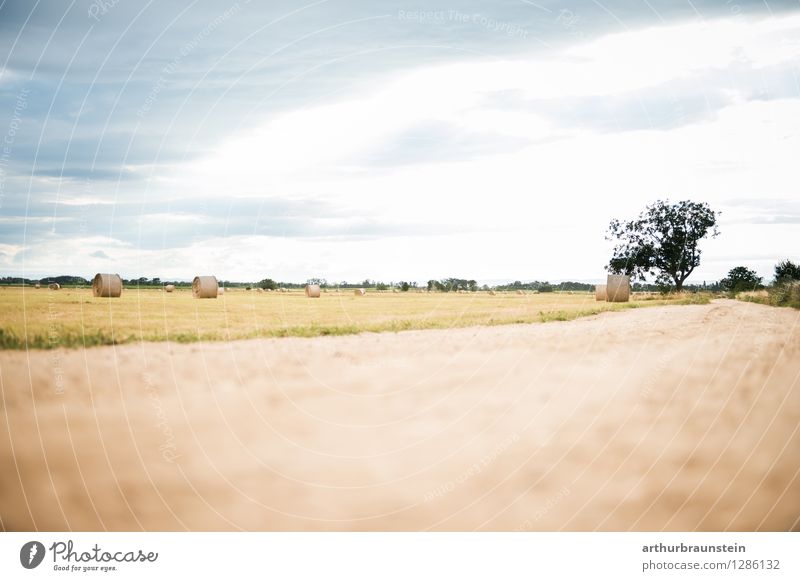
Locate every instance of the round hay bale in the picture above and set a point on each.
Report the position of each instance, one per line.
(169, 288)
(107, 285)
(221, 290)
(205, 287)
(618, 288)
(360, 292)
(54, 286)
(492, 293)
(600, 292)
(519, 292)
(312, 291)
(259, 290)
(37, 285)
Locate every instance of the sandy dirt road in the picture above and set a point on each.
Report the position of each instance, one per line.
(667, 418)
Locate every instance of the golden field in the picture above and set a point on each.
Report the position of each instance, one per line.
(41, 318)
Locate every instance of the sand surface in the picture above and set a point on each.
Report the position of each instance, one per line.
(674, 418)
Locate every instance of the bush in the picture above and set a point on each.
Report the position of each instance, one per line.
(786, 295)
(786, 271)
(741, 279)
(780, 295)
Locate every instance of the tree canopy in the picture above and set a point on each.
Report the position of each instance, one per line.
(662, 241)
(786, 271)
(741, 279)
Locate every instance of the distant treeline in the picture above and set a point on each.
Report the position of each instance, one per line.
(442, 285)
(546, 287)
(692, 288)
(62, 280)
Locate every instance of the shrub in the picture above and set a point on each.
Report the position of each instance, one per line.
(786, 271)
(741, 279)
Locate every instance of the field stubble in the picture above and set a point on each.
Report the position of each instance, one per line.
(43, 319)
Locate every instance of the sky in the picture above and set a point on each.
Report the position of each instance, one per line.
(485, 139)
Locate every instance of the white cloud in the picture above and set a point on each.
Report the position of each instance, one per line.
(537, 211)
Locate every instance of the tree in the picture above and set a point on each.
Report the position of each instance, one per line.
(740, 279)
(404, 286)
(786, 271)
(662, 241)
(267, 284)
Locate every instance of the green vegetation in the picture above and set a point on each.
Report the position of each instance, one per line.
(786, 271)
(447, 285)
(662, 242)
(785, 291)
(780, 295)
(741, 279)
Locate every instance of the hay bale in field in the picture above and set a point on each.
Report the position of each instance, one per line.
(312, 291)
(54, 286)
(107, 285)
(600, 292)
(519, 292)
(37, 285)
(618, 288)
(205, 287)
(492, 293)
(221, 290)
(169, 288)
(259, 290)
(360, 292)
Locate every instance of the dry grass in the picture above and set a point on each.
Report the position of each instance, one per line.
(782, 295)
(73, 317)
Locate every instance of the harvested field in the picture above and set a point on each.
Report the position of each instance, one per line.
(74, 318)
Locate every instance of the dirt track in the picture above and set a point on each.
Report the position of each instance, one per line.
(661, 418)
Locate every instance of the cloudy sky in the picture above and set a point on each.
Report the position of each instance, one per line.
(489, 139)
